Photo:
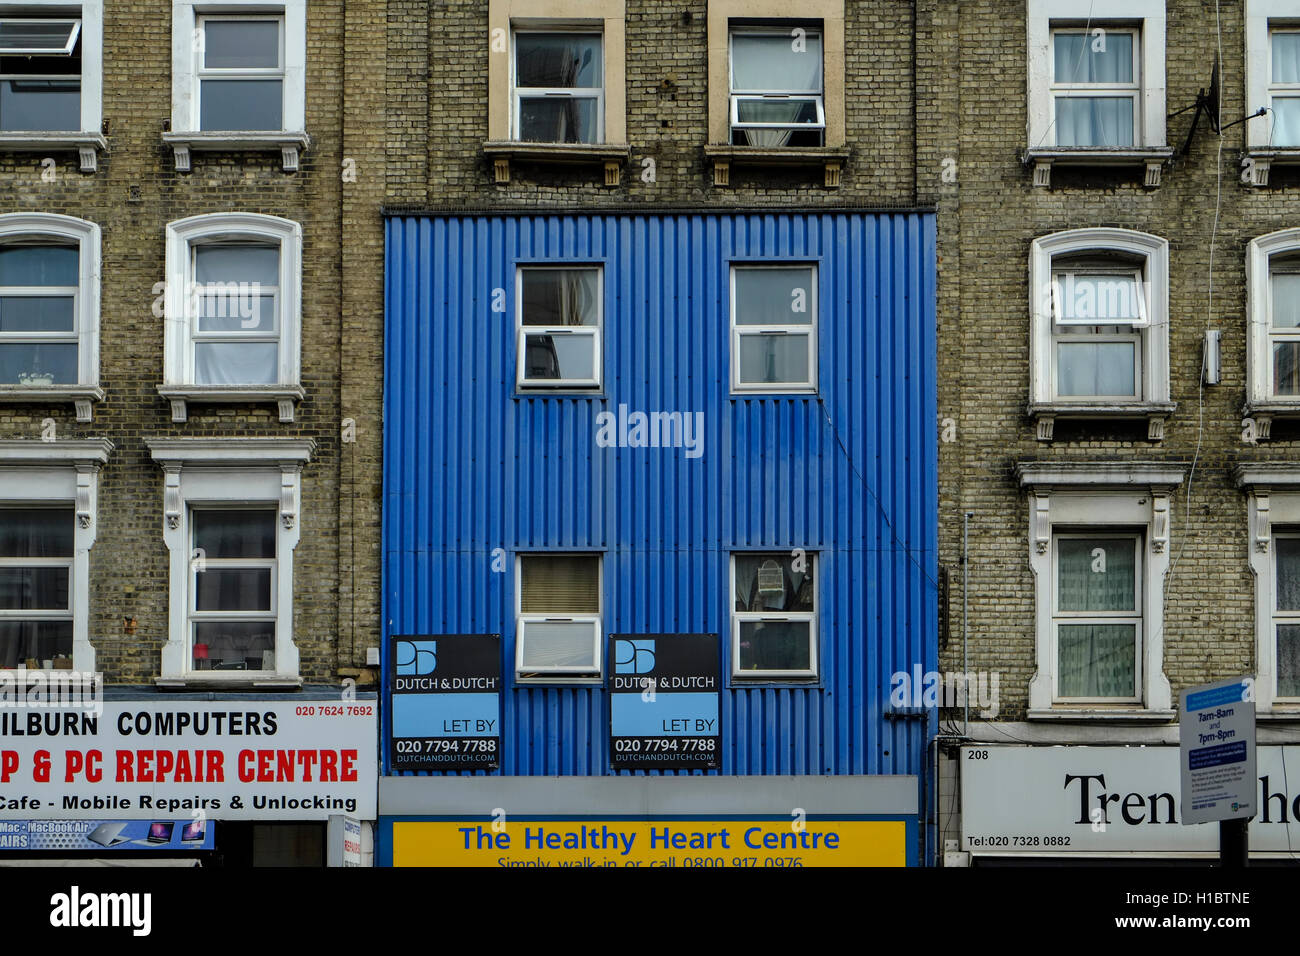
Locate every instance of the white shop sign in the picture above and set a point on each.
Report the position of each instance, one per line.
(224, 760)
(1116, 800)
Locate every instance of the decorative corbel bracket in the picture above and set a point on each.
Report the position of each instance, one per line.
(86, 497)
(289, 495)
(1263, 531)
(172, 502)
(1159, 521)
(1042, 522)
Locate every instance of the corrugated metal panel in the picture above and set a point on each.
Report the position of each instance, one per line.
(470, 466)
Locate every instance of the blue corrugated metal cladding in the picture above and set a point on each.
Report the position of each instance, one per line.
(849, 474)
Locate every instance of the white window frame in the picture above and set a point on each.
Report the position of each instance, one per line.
(181, 322)
(538, 92)
(809, 330)
(1131, 90)
(1100, 499)
(1262, 18)
(204, 72)
(1146, 16)
(739, 617)
(229, 473)
(91, 15)
(735, 95)
(187, 57)
(1153, 351)
(1259, 316)
(560, 675)
(64, 472)
(14, 228)
(594, 332)
(195, 616)
(1134, 617)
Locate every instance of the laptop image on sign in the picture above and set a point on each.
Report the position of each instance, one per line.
(160, 832)
(108, 834)
(193, 832)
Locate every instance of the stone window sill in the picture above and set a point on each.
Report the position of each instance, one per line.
(612, 156)
(1264, 412)
(80, 396)
(1280, 712)
(290, 144)
(229, 680)
(1152, 158)
(1118, 713)
(831, 159)
(283, 396)
(87, 146)
(1045, 414)
(1263, 158)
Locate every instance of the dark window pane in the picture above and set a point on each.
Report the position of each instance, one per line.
(29, 364)
(770, 582)
(555, 297)
(241, 105)
(28, 35)
(557, 61)
(34, 589)
(241, 44)
(230, 645)
(776, 111)
(36, 313)
(560, 357)
(774, 646)
(560, 119)
(1286, 368)
(40, 105)
(36, 532)
(1096, 574)
(235, 534)
(233, 589)
(560, 584)
(774, 296)
(38, 265)
(774, 359)
(21, 641)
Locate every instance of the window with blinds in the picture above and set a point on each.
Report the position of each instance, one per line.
(559, 632)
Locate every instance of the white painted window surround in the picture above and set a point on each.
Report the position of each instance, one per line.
(1097, 498)
(1273, 503)
(178, 344)
(229, 471)
(91, 13)
(1260, 400)
(1149, 15)
(14, 227)
(185, 132)
(1260, 15)
(65, 470)
(1153, 251)
(186, 50)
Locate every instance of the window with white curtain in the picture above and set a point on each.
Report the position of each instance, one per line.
(236, 328)
(1097, 615)
(232, 593)
(40, 74)
(558, 87)
(777, 95)
(1286, 613)
(774, 616)
(1096, 87)
(1098, 314)
(559, 327)
(1284, 86)
(36, 585)
(241, 72)
(774, 328)
(558, 634)
(234, 312)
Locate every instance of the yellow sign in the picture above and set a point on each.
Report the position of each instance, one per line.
(686, 843)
